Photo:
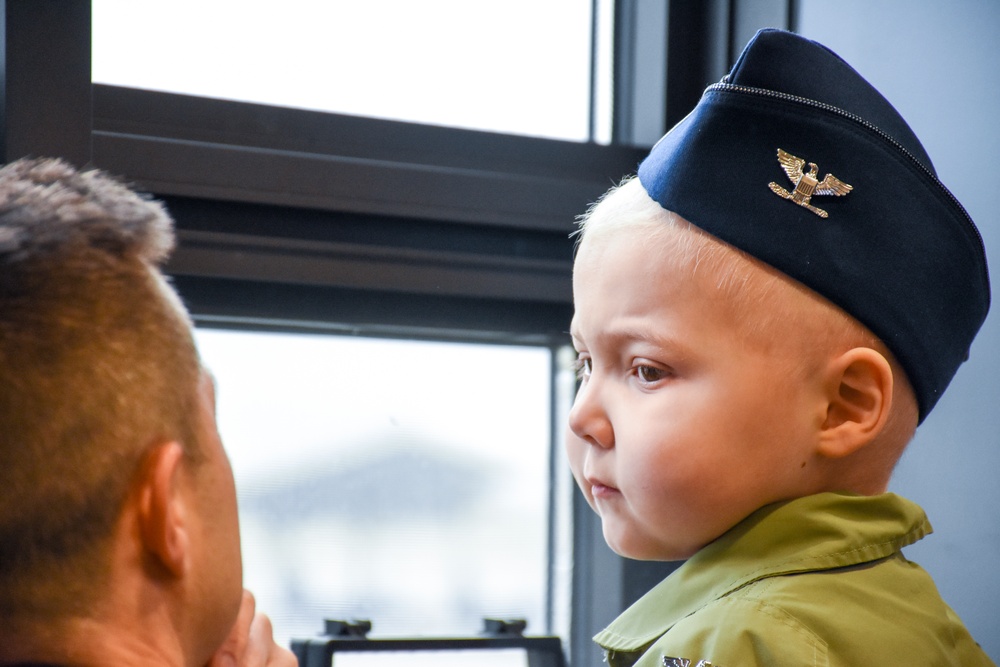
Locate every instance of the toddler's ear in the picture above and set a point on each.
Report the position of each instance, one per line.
(859, 397)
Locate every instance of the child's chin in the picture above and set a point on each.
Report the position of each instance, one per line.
(638, 550)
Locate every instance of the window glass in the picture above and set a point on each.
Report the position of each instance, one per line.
(404, 482)
(512, 66)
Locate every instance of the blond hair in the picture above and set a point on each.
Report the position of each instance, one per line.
(97, 363)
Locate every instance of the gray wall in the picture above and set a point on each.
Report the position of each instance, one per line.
(939, 64)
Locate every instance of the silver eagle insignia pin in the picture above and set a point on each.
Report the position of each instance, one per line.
(684, 662)
(806, 183)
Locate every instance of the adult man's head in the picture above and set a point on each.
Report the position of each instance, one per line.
(116, 492)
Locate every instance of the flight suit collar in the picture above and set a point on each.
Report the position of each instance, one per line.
(819, 532)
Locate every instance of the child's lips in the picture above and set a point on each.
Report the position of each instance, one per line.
(602, 490)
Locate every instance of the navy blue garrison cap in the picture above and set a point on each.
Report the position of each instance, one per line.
(797, 160)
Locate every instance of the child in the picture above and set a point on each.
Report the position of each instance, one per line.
(763, 317)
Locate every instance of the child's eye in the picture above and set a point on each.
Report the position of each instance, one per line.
(582, 366)
(650, 374)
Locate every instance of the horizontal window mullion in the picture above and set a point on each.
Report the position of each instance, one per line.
(330, 182)
(365, 266)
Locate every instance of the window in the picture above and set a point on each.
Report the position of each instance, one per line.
(291, 216)
(511, 66)
(401, 481)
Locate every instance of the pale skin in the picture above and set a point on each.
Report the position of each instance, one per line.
(681, 428)
(175, 596)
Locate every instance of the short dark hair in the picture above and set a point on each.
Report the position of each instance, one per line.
(97, 364)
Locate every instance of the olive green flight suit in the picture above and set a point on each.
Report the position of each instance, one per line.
(817, 581)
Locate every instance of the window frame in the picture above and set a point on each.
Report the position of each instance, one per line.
(340, 204)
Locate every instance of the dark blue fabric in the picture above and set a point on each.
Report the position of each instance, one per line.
(898, 252)
(792, 64)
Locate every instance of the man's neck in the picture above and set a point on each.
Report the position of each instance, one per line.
(87, 643)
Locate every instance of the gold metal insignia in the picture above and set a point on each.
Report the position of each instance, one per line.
(806, 184)
(684, 662)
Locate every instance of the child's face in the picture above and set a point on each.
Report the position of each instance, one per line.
(680, 428)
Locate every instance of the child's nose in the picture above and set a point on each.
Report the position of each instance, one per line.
(588, 419)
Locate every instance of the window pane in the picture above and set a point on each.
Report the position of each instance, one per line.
(404, 482)
(513, 66)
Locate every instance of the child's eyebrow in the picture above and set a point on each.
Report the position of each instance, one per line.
(628, 334)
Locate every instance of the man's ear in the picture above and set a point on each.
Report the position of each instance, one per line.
(859, 397)
(162, 509)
